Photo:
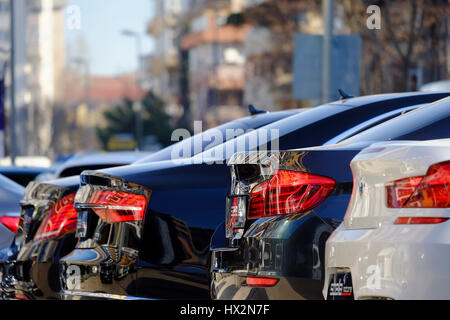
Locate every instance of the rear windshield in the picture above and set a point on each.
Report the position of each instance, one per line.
(426, 123)
(21, 178)
(290, 129)
(10, 185)
(207, 140)
(76, 171)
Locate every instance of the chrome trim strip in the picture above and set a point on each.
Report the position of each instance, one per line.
(70, 295)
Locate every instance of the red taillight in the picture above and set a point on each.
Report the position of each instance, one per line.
(419, 220)
(261, 282)
(61, 219)
(430, 191)
(12, 223)
(258, 200)
(398, 192)
(117, 206)
(289, 192)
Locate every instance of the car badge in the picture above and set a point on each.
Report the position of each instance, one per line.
(362, 187)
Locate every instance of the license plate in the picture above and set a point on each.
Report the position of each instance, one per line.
(340, 287)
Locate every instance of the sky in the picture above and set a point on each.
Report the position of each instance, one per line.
(98, 31)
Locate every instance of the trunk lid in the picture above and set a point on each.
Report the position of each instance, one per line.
(381, 164)
(38, 199)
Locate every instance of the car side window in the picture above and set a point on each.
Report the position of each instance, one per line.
(437, 130)
(371, 125)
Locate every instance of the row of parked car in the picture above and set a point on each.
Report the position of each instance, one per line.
(252, 222)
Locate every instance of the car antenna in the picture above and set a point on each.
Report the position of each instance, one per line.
(253, 111)
(344, 95)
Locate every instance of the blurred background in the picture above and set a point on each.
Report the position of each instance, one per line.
(83, 75)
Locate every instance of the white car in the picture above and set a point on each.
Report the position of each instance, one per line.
(394, 242)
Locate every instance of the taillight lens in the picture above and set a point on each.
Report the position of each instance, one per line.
(289, 192)
(12, 223)
(61, 219)
(116, 206)
(261, 281)
(430, 191)
(399, 191)
(419, 220)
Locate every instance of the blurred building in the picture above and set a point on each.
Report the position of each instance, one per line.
(164, 64)
(269, 46)
(39, 56)
(216, 64)
(394, 58)
(197, 58)
(85, 101)
(20, 60)
(46, 63)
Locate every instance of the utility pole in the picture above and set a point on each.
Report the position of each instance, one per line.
(328, 21)
(84, 62)
(137, 106)
(12, 93)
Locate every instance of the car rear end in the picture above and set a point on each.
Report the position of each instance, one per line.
(110, 215)
(394, 242)
(281, 209)
(45, 233)
(143, 233)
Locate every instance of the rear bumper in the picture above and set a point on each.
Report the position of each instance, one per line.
(88, 272)
(232, 286)
(26, 280)
(393, 262)
(288, 248)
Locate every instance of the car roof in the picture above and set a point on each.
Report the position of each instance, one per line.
(25, 170)
(246, 123)
(101, 159)
(321, 118)
(391, 97)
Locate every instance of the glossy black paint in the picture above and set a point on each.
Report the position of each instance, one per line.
(29, 269)
(188, 203)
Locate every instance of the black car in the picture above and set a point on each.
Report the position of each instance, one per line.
(145, 230)
(281, 212)
(45, 228)
(48, 221)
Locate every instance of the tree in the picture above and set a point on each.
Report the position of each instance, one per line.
(413, 34)
(122, 119)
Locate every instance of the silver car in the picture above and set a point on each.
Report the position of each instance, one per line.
(10, 195)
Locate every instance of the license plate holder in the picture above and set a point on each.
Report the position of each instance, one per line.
(340, 286)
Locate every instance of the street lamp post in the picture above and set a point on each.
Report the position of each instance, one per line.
(12, 124)
(87, 89)
(327, 63)
(137, 107)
